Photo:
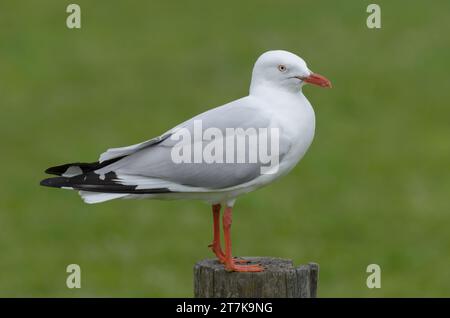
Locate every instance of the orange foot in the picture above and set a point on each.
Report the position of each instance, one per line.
(231, 266)
(238, 260)
(221, 256)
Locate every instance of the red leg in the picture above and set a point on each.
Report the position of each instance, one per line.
(215, 245)
(230, 263)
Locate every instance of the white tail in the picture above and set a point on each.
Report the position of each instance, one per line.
(98, 197)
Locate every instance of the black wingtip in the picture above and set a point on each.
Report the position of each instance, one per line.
(51, 170)
(84, 167)
(92, 182)
(61, 169)
(46, 182)
(53, 182)
(57, 170)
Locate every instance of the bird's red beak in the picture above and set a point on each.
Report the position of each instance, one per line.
(317, 79)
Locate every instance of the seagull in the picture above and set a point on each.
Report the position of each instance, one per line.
(171, 166)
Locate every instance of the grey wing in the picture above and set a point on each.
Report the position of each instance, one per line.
(156, 160)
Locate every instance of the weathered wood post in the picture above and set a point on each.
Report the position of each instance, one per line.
(279, 279)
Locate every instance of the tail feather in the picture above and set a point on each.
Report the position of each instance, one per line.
(98, 197)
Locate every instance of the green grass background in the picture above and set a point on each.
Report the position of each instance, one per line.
(373, 188)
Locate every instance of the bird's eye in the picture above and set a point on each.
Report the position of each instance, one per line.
(282, 68)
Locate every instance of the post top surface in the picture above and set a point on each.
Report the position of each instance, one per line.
(270, 264)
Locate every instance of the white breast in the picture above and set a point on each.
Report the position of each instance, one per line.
(295, 117)
(298, 122)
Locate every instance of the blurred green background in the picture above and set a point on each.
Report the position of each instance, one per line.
(373, 188)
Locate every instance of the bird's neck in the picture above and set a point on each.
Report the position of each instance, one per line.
(269, 92)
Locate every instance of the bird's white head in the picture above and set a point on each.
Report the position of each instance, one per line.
(283, 70)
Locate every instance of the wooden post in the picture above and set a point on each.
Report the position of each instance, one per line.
(279, 279)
